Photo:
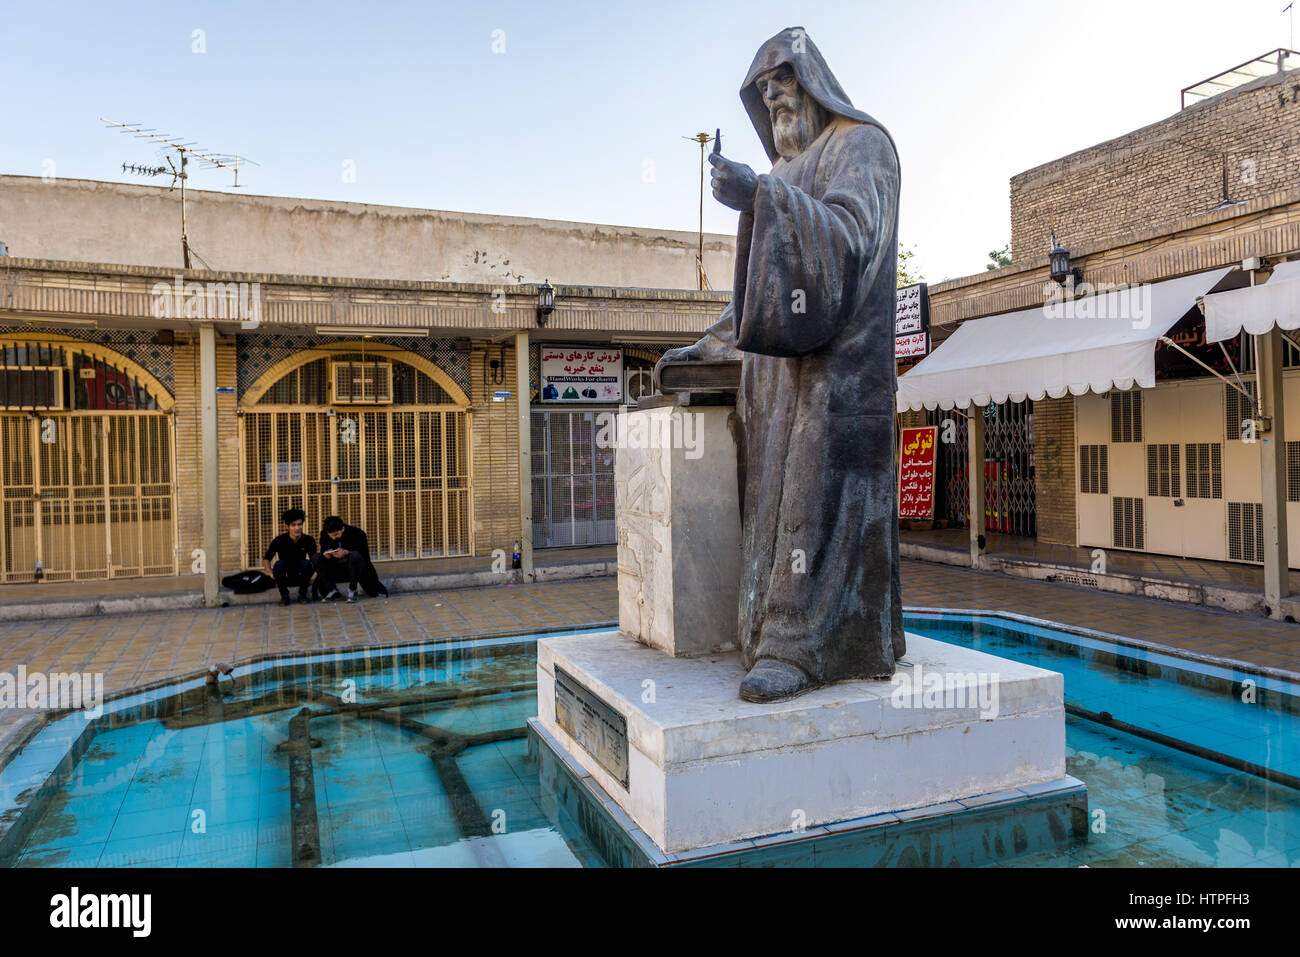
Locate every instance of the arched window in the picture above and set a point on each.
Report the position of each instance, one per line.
(86, 451)
(54, 375)
(313, 383)
(366, 436)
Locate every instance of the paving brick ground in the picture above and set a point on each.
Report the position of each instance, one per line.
(1190, 628)
(1195, 571)
(139, 648)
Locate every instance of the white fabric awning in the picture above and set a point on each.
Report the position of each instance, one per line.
(1257, 309)
(1095, 343)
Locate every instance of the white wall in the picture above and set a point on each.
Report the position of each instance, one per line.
(1179, 413)
(90, 221)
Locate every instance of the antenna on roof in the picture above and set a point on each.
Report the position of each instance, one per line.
(177, 170)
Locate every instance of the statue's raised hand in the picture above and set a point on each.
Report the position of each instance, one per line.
(734, 184)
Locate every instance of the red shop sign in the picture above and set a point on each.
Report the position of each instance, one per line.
(916, 473)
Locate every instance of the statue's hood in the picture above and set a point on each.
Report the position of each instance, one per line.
(814, 76)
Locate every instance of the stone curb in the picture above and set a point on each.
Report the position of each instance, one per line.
(94, 607)
(1222, 597)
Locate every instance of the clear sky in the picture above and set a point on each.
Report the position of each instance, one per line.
(582, 115)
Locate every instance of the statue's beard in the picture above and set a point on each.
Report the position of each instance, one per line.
(794, 132)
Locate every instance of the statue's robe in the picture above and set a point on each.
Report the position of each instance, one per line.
(813, 316)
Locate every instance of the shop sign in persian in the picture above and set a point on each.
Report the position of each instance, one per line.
(578, 374)
(916, 473)
(910, 345)
(912, 321)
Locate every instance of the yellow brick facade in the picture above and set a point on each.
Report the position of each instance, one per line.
(494, 445)
(118, 297)
(189, 455)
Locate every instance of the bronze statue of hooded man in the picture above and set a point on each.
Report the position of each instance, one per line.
(812, 316)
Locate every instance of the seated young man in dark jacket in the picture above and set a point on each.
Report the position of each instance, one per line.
(345, 551)
(295, 551)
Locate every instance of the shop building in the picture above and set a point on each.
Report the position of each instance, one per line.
(155, 421)
(1103, 411)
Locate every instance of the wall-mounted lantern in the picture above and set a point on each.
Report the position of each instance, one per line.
(1059, 258)
(545, 302)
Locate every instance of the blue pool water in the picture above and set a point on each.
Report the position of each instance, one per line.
(1159, 806)
(174, 778)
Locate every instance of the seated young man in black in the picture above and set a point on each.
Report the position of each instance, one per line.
(295, 551)
(345, 551)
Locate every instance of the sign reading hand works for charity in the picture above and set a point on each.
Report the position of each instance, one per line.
(916, 473)
(579, 373)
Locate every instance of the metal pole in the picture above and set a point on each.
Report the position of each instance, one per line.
(208, 433)
(975, 475)
(523, 389)
(704, 139)
(700, 256)
(1273, 475)
(185, 242)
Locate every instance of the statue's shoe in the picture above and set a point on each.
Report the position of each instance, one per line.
(771, 680)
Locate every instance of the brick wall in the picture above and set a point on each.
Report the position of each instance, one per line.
(1054, 467)
(1267, 226)
(189, 456)
(494, 441)
(911, 420)
(1163, 172)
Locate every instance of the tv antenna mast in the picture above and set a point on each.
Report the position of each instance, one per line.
(178, 169)
(704, 139)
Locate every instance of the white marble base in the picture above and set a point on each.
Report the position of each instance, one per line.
(678, 510)
(706, 768)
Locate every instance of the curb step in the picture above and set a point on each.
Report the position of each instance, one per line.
(1224, 598)
(178, 601)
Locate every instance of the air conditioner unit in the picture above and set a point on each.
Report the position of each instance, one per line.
(31, 387)
(362, 383)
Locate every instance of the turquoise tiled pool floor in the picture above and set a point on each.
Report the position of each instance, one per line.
(184, 791)
(219, 796)
(1232, 712)
(204, 783)
(1153, 806)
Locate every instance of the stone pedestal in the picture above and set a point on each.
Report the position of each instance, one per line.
(648, 722)
(699, 767)
(678, 528)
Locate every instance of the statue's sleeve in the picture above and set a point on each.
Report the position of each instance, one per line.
(808, 262)
(719, 340)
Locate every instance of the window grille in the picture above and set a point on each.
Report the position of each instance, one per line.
(1129, 523)
(1094, 478)
(1293, 471)
(1246, 531)
(1126, 416)
(1237, 409)
(1162, 471)
(1204, 470)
